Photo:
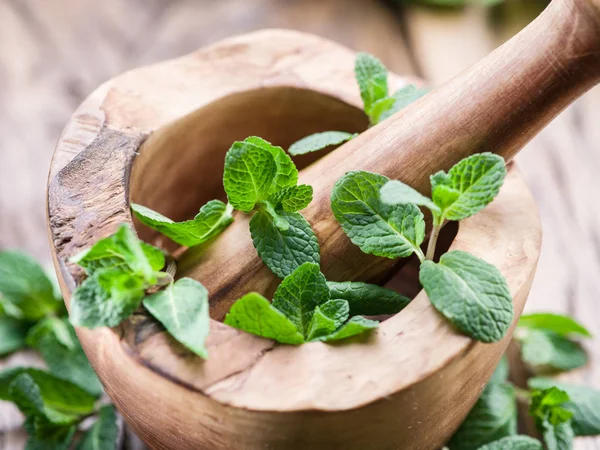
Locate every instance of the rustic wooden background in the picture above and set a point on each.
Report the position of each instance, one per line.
(54, 52)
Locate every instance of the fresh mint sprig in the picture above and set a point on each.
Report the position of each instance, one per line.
(261, 177)
(302, 311)
(121, 269)
(372, 79)
(382, 218)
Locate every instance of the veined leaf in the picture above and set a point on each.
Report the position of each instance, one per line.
(401, 99)
(546, 350)
(367, 299)
(293, 198)
(103, 434)
(254, 314)
(470, 293)
(12, 334)
(355, 326)
(182, 308)
(371, 76)
(300, 293)
(395, 192)
(284, 251)
(319, 141)
(327, 318)
(212, 219)
(377, 228)
(514, 443)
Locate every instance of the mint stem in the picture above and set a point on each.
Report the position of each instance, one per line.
(435, 232)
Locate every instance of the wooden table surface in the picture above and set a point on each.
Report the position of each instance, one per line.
(54, 52)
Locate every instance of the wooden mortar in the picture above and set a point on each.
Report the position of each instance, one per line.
(406, 386)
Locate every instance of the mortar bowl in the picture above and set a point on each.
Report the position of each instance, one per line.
(158, 136)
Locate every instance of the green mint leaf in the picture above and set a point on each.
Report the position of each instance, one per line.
(558, 437)
(44, 435)
(212, 219)
(367, 299)
(371, 76)
(62, 401)
(501, 373)
(319, 141)
(104, 433)
(293, 198)
(25, 291)
(514, 443)
(402, 98)
(493, 417)
(254, 314)
(182, 308)
(56, 341)
(327, 318)
(12, 335)
(379, 108)
(471, 293)
(395, 192)
(300, 293)
(559, 324)
(355, 326)
(248, 176)
(124, 251)
(106, 299)
(469, 186)
(584, 403)
(286, 174)
(377, 228)
(548, 351)
(284, 251)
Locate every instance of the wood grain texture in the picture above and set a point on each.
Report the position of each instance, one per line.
(559, 166)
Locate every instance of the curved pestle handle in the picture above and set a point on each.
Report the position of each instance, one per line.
(497, 105)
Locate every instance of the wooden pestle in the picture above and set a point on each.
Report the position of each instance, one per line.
(497, 105)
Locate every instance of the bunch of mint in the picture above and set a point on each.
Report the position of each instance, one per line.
(560, 411)
(55, 401)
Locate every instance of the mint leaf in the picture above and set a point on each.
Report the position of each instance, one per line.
(25, 291)
(212, 219)
(355, 326)
(293, 198)
(319, 141)
(367, 299)
(124, 251)
(493, 417)
(469, 186)
(375, 227)
(56, 341)
(254, 314)
(58, 400)
(286, 174)
(327, 318)
(547, 350)
(559, 324)
(378, 110)
(44, 435)
(371, 76)
(584, 403)
(401, 99)
(546, 407)
(514, 443)
(182, 307)
(284, 251)
(12, 335)
(248, 176)
(558, 437)
(471, 293)
(300, 293)
(106, 299)
(104, 433)
(395, 192)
